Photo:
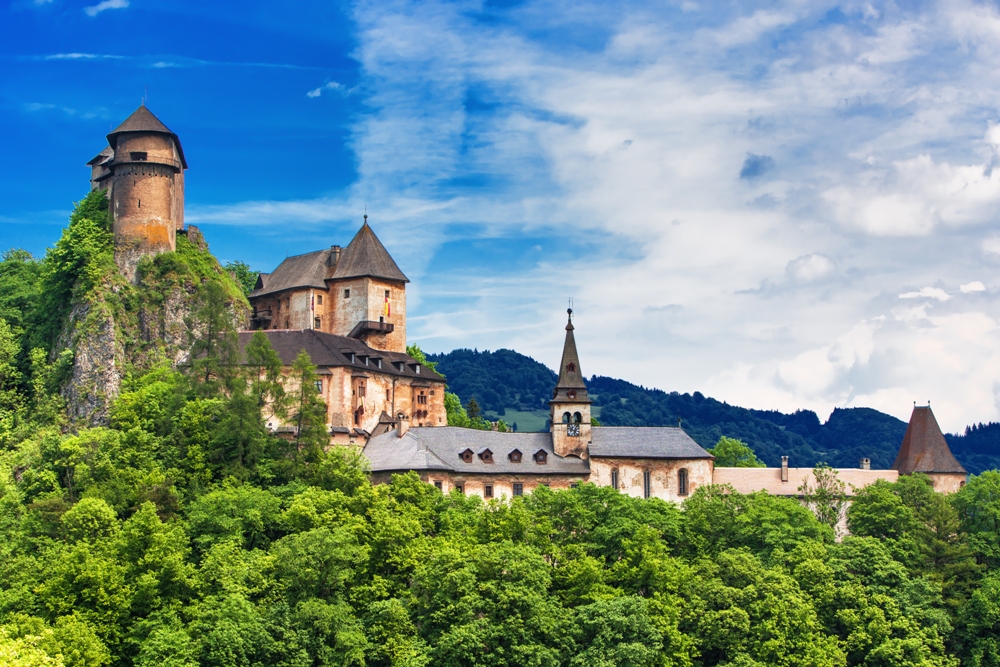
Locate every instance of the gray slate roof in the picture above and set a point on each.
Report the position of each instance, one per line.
(326, 350)
(308, 270)
(439, 448)
(366, 256)
(645, 442)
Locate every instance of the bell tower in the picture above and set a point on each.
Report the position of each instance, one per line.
(570, 404)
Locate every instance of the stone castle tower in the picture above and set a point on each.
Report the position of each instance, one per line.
(143, 171)
(570, 404)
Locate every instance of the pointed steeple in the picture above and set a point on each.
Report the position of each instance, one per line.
(924, 448)
(570, 388)
(366, 256)
(143, 120)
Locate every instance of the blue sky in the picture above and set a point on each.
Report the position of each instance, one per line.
(780, 204)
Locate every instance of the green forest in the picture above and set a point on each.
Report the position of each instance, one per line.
(182, 533)
(504, 381)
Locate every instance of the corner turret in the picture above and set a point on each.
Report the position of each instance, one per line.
(925, 450)
(570, 404)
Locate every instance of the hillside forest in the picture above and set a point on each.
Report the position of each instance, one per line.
(517, 388)
(180, 532)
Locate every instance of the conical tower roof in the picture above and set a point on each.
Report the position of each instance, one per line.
(143, 120)
(366, 256)
(924, 448)
(570, 388)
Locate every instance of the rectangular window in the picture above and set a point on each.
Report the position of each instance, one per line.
(459, 488)
(139, 156)
(387, 294)
(518, 489)
(682, 482)
(316, 323)
(488, 491)
(421, 399)
(319, 299)
(614, 479)
(347, 294)
(646, 484)
(319, 386)
(574, 485)
(437, 483)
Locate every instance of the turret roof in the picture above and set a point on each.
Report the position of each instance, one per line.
(143, 120)
(924, 448)
(366, 256)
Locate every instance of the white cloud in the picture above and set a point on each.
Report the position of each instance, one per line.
(627, 157)
(329, 85)
(94, 10)
(974, 286)
(927, 293)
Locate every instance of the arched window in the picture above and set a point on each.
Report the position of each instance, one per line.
(577, 418)
(571, 393)
(566, 417)
(571, 367)
(682, 482)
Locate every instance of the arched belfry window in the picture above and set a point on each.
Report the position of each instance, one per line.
(571, 367)
(577, 418)
(682, 482)
(566, 417)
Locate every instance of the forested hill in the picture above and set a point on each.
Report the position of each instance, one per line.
(505, 382)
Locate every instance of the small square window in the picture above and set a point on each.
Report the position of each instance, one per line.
(437, 483)
(488, 491)
(347, 294)
(459, 488)
(518, 489)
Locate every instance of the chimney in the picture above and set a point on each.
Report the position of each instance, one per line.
(402, 425)
(784, 468)
(334, 256)
(866, 464)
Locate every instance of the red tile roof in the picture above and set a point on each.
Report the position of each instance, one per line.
(924, 448)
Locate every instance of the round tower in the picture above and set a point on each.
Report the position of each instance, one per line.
(146, 189)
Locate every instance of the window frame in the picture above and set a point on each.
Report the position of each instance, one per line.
(647, 484)
(517, 489)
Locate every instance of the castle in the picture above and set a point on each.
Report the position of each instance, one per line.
(346, 307)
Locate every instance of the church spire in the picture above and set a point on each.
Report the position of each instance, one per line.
(570, 375)
(570, 404)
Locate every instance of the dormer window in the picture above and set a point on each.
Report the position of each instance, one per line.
(486, 455)
(466, 456)
(366, 360)
(417, 369)
(515, 456)
(352, 357)
(378, 362)
(571, 394)
(541, 457)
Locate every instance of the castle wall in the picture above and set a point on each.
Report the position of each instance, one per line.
(947, 482)
(474, 485)
(750, 480)
(664, 475)
(367, 303)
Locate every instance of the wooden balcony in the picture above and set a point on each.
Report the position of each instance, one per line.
(368, 326)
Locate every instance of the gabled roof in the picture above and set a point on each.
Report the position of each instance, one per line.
(924, 448)
(366, 256)
(143, 120)
(327, 350)
(644, 442)
(308, 270)
(440, 448)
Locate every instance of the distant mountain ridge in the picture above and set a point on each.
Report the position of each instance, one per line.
(504, 380)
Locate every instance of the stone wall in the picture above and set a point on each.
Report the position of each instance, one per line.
(664, 475)
(749, 480)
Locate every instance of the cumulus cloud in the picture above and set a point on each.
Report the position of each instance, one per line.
(974, 286)
(927, 293)
(329, 85)
(94, 10)
(809, 267)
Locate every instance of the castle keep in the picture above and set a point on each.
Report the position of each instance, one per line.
(142, 170)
